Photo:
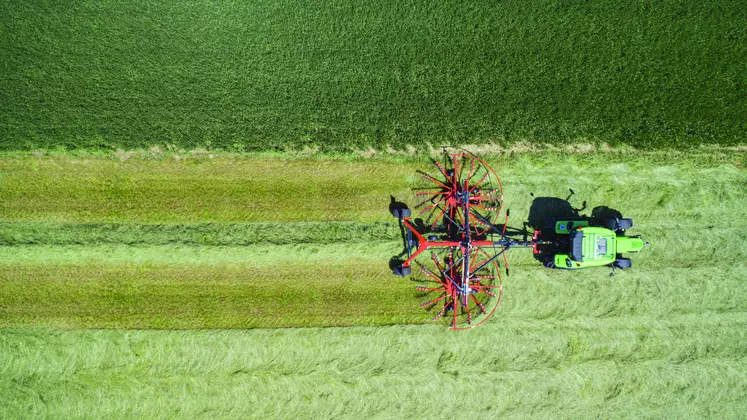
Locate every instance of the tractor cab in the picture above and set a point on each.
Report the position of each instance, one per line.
(591, 246)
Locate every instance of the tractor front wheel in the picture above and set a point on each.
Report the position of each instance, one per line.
(550, 262)
(400, 213)
(623, 263)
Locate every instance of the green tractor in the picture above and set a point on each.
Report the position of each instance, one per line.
(577, 244)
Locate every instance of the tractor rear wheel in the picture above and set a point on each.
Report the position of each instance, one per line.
(618, 224)
(623, 224)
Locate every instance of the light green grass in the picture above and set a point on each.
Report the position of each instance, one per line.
(349, 74)
(686, 366)
(664, 339)
(225, 190)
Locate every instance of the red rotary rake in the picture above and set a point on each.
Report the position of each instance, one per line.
(461, 205)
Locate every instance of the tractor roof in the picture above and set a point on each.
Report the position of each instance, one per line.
(592, 244)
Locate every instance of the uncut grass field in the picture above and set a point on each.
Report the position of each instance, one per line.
(194, 207)
(352, 74)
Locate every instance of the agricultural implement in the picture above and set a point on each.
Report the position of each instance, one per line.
(457, 244)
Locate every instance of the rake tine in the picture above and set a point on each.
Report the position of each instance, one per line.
(432, 302)
(479, 304)
(443, 311)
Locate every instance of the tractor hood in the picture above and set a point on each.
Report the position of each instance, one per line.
(626, 245)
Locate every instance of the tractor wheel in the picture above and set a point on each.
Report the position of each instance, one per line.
(618, 224)
(550, 262)
(623, 224)
(401, 213)
(623, 263)
(401, 271)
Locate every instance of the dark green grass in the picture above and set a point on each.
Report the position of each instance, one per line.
(341, 74)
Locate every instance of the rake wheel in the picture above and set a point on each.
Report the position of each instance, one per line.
(442, 281)
(443, 193)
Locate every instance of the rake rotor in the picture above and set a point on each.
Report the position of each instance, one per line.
(460, 200)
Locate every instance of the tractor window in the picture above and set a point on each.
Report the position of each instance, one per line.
(602, 246)
(577, 238)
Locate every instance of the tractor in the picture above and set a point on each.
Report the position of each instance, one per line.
(577, 245)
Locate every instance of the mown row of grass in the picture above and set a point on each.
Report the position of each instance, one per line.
(226, 188)
(298, 293)
(352, 74)
(680, 366)
(221, 189)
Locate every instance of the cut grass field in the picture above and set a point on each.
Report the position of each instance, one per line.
(349, 74)
(685, 366)
(153, 243)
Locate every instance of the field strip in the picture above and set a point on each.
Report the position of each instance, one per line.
(231, 242)
(345, 292)
(231, 190)
(97, 190)
(576, 366)
(355, 292)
